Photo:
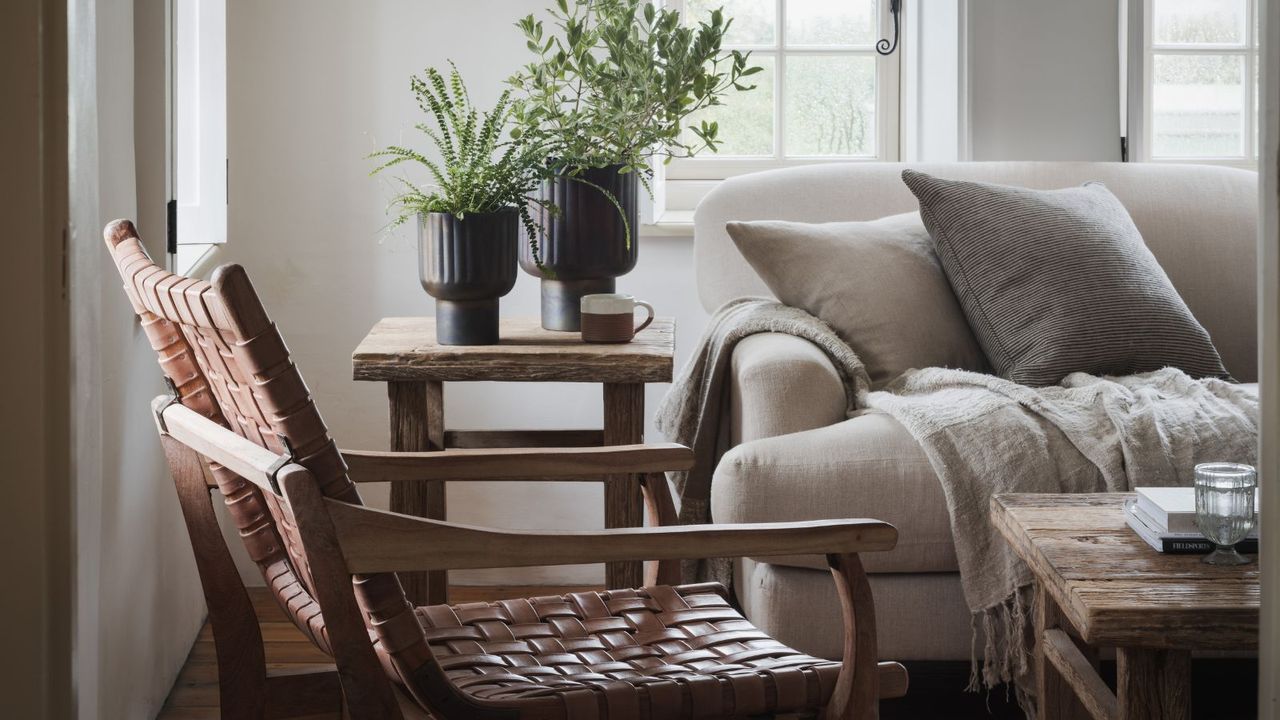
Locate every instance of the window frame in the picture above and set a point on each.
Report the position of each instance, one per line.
(197, 90)
(707, 169)
(1148, 49)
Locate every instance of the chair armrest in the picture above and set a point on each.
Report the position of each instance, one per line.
(781, 384)
(378, 541)
(584, 463)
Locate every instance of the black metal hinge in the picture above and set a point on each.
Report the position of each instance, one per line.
(171, 211)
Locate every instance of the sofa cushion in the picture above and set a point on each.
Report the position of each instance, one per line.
(877, 284)
(919, 616)
(867, 466)
(1059, 281)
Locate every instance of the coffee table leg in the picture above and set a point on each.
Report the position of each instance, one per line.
(1057, 700)
(623, 501)
(417, 425)
(1153, 684)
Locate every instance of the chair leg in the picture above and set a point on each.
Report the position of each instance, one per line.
(237, 639)
(246, 689)
(857, 692)
(368, 691)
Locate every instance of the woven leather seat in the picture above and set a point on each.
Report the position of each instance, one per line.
(657, 652)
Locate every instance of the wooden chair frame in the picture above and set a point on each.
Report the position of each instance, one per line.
(240, 419)
(343, 540)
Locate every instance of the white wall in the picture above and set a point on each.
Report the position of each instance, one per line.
(1043, 79)
(138, 599)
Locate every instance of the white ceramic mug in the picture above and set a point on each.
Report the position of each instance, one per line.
(610, 317)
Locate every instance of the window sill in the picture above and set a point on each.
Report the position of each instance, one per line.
(1241, 163)
(672, 223)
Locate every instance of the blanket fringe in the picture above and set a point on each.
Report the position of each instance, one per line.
(1007, 629)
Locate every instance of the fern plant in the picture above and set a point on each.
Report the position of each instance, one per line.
(483, 167)
(615, 82)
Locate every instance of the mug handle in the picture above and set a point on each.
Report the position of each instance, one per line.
(647, 320)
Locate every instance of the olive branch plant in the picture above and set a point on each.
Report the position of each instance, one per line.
(613, 82)
(483, 166)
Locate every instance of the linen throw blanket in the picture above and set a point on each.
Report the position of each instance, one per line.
(984, 435)
(694, 411)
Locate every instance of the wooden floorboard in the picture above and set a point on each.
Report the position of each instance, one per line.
(1222, 689)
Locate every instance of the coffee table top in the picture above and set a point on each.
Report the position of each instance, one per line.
(1114, 588)
(405, 349)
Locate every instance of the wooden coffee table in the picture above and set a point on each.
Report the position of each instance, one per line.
(1098, 585)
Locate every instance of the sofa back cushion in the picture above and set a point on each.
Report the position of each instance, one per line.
(878, 284)
(1199, 221)
(1059, 281)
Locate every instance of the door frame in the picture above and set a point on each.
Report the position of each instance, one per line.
(36, 515)
(1269, 350)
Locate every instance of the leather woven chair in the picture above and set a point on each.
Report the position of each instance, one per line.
(241, 412)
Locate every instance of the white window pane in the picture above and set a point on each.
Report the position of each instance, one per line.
(1197, 106)
(754, 21)
(830, 106)
(745, 118)
(831, 22)
(1191, 22)
(200, 120)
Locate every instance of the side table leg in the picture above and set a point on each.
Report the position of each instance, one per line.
(417, 425)
(1054, 694)
(623, 503)
(1153, 684)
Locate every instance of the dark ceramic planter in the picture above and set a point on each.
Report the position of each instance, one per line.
(585, 245)
(466, 265)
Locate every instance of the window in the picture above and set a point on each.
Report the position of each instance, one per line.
(1199, 85)
(198, 131)
(825, 93)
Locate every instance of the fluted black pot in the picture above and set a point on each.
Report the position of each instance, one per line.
(585, 246)
(466, 265)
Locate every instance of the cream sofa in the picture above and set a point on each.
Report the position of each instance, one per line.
(796, 457)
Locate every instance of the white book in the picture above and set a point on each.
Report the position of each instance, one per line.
(1176, 543)
(1170, 509)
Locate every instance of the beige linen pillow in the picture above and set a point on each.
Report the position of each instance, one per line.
(878, 284)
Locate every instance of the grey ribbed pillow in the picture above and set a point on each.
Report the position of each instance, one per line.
(1059, 281)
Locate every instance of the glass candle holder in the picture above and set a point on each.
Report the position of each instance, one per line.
(1225, 508)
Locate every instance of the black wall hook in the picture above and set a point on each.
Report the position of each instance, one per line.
(884, 47)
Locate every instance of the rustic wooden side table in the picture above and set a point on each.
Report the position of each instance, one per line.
(1098, 585)
(403, 353)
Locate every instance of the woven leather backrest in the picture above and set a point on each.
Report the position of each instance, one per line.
(229, 363)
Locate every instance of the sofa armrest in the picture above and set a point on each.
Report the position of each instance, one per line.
(781, 384)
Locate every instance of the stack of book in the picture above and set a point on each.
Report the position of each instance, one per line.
(1166, 518)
